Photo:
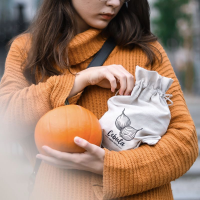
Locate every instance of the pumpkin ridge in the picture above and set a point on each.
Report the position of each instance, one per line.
(78, 108)
(81, 114)
(67, 133)
(90, 123)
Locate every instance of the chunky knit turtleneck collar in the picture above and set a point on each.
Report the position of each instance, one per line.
(85, 45)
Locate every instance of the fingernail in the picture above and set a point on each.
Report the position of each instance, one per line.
(77, 140)
(38, 156)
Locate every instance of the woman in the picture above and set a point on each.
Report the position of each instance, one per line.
(48, 64)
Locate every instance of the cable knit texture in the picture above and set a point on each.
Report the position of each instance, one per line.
(144, 173)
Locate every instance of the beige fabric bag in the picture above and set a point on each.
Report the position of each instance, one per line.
(142, 117)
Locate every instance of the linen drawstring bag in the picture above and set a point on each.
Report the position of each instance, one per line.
(142, 117)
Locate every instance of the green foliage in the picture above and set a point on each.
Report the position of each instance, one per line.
(166, 23)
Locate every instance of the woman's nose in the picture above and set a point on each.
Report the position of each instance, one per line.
(113, 3)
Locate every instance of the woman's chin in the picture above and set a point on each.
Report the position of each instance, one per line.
(100, 25)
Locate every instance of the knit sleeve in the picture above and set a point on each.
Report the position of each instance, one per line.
(22, 104)
(138, 170)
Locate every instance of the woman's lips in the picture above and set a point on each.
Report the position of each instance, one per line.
(106, 16)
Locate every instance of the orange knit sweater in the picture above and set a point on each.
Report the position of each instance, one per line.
(144, 173)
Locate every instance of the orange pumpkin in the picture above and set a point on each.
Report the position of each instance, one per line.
(58, 127)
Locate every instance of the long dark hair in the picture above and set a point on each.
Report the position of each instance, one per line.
(55, 26)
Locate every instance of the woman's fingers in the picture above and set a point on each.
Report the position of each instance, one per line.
(125, 78)
(50, 160)
(58, 154)
(130, 80)
(91, 148)
(62, 164)
(123, 82)
(130, 84)
(113, 82)
(113, 74)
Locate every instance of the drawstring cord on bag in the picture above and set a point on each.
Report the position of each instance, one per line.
(167, 98)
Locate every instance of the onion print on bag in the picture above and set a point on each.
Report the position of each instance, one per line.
(123, 123)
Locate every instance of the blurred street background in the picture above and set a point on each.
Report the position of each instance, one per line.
(177, 25)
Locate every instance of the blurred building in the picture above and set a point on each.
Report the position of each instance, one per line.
(15, 15)
(8, 8)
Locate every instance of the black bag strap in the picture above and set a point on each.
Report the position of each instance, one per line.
(103, 53)
(98, 60)
(101, 56)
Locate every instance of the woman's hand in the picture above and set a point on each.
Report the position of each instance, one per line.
(108, 77)
(91, 160)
